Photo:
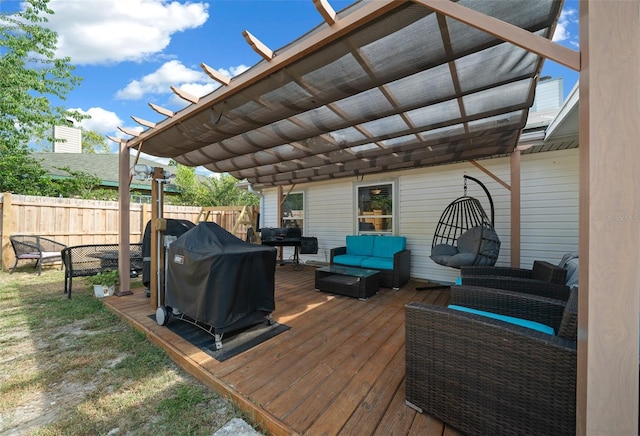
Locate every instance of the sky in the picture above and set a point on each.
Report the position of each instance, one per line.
(129, 52)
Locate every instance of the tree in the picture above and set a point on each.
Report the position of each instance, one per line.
(94, 142)
(212, 191)
(31, 75)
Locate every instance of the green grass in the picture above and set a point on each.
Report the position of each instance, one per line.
(72, 367)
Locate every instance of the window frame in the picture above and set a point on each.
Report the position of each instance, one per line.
(303, 218)
(393, 190)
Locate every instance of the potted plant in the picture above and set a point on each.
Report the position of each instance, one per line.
(104, 283)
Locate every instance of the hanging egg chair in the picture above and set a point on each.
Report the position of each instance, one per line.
(465, 235)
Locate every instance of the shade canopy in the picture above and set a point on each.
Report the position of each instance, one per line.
(384, 85)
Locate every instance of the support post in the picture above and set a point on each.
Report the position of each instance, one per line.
(7, 229)
(157, 249)
(609, 228)
(124, 254)
(515, 209)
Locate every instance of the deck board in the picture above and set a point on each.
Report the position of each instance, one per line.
(338, 370)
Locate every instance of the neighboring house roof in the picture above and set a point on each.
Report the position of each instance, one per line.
(102, 165)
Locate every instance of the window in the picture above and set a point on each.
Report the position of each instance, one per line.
(293, 210)
(375, 208)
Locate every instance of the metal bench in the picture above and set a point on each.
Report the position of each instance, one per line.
(89, 260)
(38, 248)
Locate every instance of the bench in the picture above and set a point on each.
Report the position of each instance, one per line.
(89, 260)
(38, 248)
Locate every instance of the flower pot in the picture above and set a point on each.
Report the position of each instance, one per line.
(101, 291)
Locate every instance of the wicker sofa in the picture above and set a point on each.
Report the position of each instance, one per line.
(486, 376)
(544, 279)
(387, 254)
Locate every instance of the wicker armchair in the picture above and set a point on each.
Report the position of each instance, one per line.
(544, 279)
(38, 248)
(485, 376)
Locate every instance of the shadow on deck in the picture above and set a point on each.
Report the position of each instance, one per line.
(339, 370)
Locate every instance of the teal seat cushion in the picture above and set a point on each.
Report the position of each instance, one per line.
(512, 320)
(361, 245)
(387, 246)
(348, 259)
(377, 263)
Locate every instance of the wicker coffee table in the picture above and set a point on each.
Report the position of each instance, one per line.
(352, 282)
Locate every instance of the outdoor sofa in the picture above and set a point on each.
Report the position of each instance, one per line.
(487, 376)
(89, 260)
(544, 279)
(386, 254)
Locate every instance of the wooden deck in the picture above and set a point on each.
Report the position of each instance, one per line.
(339, 370)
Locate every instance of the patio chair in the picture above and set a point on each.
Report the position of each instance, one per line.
(487, 376)
(544, 279)
(38, 248)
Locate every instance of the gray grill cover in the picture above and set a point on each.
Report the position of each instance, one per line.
(220, 280)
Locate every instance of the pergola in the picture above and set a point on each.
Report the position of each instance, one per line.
(391, 84)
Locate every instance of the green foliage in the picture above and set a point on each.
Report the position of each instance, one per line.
(82, 185)
(94, 142)
(31, 75)
(21, 174)
(212, 191)
(105, 278)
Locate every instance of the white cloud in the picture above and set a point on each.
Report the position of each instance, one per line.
(193, 81)
(568, 18)
(101, 121)
(111, 31)
(233, 71)
(158, 82)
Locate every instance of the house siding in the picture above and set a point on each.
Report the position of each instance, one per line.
(549, 202)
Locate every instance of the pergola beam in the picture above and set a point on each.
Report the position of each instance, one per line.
(257, 46)
(507, 32)
(162, 111)
(325, 9)
(143, 122)
(128, 131)
(215, 75)
(185, 95)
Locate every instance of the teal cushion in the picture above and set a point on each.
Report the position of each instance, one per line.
(348, 259)
(361, 245)
(510, 319)
(387, 246)
(377, 263)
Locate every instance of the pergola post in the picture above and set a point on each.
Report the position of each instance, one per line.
(124, 254)
(515, 209)
(157, 232)
(607, 400)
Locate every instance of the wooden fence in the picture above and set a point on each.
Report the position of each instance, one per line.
(76, 222)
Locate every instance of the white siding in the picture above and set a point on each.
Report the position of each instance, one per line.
(72, 139)
(548, 95)
(549, 201)
(549, 206)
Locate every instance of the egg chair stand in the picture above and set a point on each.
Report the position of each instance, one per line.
(465, 235)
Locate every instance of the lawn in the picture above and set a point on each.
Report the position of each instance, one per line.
(72, 367)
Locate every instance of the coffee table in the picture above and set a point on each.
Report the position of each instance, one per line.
(351, 282)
